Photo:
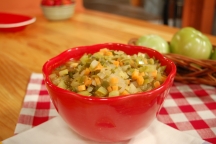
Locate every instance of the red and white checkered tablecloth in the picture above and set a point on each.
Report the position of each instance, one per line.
(188, 108)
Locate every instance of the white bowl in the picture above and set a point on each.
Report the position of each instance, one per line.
(58, 12)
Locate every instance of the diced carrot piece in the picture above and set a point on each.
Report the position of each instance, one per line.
(109, 88)
(98, 67)
(104, 50)
(156, 84)
(114, 87)
(87, 71)
(142, 74)
(163, 78)
(87, 81)
(145, 61)
(97, 80)
(73, 65)
(120, 62)
(116, 63)
(81, 88)
(135, 74)
(154, 73)
(113, 81)
(124, 92)
(140, 80)
(108, 53)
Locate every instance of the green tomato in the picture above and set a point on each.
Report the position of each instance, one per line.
(192, 43)
(155, 42)
(213, 55)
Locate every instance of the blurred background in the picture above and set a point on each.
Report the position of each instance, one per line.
(200, 14)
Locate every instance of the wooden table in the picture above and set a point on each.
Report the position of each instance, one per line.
(25, 52)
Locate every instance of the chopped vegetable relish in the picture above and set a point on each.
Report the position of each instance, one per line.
(109, 73)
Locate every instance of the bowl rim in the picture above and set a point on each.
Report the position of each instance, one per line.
(47, 81)
(17, 24)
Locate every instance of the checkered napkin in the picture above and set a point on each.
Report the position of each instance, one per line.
(188, 108)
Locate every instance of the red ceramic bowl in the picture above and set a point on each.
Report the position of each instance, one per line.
(14, 22)
(108, 119)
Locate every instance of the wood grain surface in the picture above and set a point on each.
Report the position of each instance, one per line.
(24, 52)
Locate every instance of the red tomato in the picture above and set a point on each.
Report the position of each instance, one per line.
(56, 2)
(48, 2)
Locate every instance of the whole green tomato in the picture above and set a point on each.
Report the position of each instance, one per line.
(155, 42)
(192, 43)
